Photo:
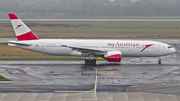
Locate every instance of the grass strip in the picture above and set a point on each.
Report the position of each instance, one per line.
(3, 78)
(98, 29)
(41, 59)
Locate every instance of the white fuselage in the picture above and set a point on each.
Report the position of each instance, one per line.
(111, 50)
(131, 48)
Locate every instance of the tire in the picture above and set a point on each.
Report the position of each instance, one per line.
(90, 62)
(86, 62)
(94, 62)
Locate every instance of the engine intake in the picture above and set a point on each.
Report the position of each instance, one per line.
(113, 56)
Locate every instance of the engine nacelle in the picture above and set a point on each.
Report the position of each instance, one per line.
(113, 56)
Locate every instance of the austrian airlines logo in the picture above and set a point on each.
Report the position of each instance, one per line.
(18, 26)
(146, 46)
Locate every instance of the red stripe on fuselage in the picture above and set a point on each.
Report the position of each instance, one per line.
(13, 16)
(27, 36)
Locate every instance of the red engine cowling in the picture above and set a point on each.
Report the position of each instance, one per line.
(113, 56)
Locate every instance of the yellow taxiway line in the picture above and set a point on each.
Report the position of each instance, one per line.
(174, 47)
(95, 84)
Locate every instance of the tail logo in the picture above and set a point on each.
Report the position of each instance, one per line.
(21, 30)
(18, 26)
(146, 46)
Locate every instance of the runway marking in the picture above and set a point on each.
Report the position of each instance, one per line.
(95, 85)
(174, 47)
(72, 91)
(77, 93)
(106, 73)
(119, 65)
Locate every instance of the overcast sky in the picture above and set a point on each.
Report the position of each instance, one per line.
(58, 8)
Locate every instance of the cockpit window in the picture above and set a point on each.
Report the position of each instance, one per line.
(169, 47)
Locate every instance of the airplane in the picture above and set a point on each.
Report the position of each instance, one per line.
(110, 50)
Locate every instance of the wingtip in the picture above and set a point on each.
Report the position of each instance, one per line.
(13, 16)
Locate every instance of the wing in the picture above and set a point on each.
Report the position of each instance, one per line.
(86, 50)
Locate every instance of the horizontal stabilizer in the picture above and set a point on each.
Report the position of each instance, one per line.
(17, 43)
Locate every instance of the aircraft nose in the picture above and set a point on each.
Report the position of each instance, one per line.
(173, 50)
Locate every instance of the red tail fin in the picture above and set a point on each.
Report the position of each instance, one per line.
(21, 30)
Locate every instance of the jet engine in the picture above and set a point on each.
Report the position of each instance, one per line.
(113, 56)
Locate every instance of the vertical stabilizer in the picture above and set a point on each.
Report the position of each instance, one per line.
(21, 30)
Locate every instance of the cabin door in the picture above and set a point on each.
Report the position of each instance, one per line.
(43, 46)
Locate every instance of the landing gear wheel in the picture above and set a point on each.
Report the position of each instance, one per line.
(86, 62)
(90, 62)
(93, 62)
(159, 61)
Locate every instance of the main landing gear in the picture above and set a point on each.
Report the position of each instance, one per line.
(159, 61)
(90, 62)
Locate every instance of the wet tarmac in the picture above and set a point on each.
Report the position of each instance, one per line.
(130, 75)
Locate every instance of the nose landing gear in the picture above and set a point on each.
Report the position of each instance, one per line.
(159, 61)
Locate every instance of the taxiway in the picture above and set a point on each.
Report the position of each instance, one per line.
(130, 75)
(74, 81)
